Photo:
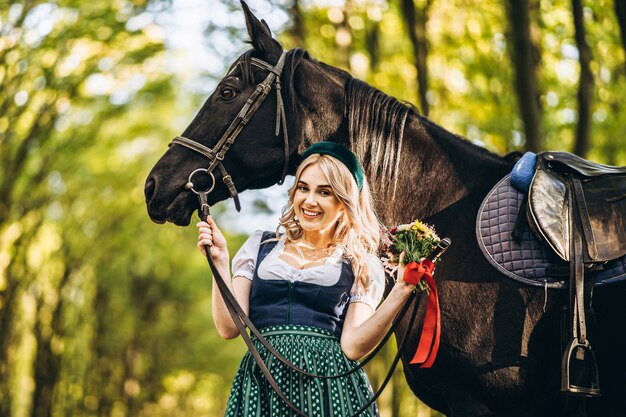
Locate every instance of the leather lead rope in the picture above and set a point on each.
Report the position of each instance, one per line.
(227, 295)
(242, 321)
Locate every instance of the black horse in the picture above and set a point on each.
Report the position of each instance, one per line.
(500, 350)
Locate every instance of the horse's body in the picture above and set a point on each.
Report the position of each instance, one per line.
(500, 351)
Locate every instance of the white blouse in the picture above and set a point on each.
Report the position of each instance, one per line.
(327, 274)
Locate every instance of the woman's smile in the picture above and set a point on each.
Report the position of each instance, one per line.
(309, 214)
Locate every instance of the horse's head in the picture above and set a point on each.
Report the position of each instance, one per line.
(254, 153)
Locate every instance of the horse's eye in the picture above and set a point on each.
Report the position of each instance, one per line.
(228, 94)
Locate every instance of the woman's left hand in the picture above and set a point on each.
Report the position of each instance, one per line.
(401, 268)
(400, 276)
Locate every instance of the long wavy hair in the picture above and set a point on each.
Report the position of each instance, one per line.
(357, 231)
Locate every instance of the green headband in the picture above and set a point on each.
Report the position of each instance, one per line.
(341, 153)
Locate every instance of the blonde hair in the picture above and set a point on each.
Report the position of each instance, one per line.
(357, 231)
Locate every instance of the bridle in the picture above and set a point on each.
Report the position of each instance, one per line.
(216, 155)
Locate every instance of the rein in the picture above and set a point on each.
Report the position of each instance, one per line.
(241, 320)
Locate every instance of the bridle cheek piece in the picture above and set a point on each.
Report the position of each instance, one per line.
(216, 155)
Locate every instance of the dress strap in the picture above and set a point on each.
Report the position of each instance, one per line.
(265, 248)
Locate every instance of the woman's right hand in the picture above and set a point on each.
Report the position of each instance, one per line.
(210, 235)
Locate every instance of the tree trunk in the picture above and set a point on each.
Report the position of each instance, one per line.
(620, 12)
(524, 61)
(343, 39)
(102, 373)
(297, 30)
(415, 21)
(48, 362)
(397, 381)
(372, 43)
(47, 365)
(6, 328)
(15, 283)
(585, 83)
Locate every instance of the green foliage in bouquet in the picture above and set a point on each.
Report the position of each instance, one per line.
(416, 239)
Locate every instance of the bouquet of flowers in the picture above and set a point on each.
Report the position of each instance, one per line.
(417, 240)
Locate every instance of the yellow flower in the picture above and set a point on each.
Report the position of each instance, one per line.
(418, 226)
(423, 230)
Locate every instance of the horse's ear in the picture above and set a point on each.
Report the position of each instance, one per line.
(266, 26)
(260, 35)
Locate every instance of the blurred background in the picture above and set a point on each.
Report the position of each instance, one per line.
(103, 313)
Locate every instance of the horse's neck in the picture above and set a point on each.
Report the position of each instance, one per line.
(318, 96)
(433, 173)
(424, 172)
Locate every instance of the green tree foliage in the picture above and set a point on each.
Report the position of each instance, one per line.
(103, 312)
(95, 318)
(470, 82)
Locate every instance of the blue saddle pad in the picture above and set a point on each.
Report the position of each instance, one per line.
(529, 260)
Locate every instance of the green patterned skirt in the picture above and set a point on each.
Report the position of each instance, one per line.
(314, 350)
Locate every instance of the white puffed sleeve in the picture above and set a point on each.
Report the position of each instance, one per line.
(244, 260)
(374, 293)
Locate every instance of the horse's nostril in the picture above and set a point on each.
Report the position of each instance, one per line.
(150, 188)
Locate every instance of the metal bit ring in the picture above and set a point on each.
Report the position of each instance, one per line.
(190, 185)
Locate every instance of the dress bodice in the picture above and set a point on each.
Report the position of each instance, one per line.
(276, 302)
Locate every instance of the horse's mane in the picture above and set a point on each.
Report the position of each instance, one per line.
(376, 129)
(294, 58)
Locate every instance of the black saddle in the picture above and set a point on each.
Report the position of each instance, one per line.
(525, 258)
(599, 200)
(579, 209)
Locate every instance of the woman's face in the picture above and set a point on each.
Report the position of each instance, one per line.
(314, 201)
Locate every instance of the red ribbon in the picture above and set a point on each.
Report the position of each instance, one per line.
(431, 330)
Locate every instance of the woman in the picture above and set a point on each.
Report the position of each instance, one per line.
(313, 291)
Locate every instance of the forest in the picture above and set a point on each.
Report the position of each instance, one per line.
(104, 313)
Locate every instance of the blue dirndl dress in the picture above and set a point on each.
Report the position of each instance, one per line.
(303, 322)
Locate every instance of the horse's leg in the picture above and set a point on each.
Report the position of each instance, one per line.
(609, 344)
(575, 407)
(464, 404)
